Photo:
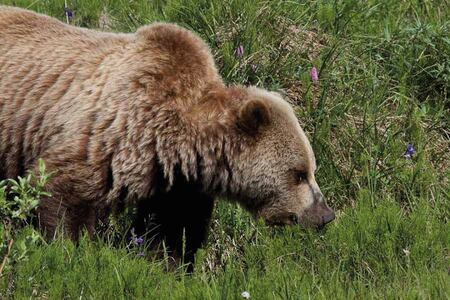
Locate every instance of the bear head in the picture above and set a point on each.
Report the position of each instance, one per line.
(277, 170)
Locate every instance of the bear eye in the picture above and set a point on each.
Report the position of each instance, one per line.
(299, 176)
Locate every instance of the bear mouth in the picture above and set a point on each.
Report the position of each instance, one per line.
(317, 223)
(283, 219)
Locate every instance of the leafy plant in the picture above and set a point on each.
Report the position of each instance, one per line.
(18, 202)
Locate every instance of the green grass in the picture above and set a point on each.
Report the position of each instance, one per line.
(384, 78)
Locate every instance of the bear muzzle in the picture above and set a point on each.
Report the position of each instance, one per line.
(317, 215)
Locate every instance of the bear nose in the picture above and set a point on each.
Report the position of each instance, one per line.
(327, 218)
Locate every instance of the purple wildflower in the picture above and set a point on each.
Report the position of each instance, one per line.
(239, 52)
(314, 74)
(138, 241)
(69, 14)
(409, 151)
(253, 67)
(141, 254)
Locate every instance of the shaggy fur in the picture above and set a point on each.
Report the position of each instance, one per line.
(144, 119)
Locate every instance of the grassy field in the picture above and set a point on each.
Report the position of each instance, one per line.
(384, 78)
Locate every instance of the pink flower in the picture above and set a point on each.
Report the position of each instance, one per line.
(239, 52)
(314, 74)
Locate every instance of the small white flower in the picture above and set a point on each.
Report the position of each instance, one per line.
(407, 252)
(245, 295)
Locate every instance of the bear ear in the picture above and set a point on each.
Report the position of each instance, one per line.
(253, 116)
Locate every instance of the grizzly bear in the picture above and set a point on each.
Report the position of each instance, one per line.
(144, 120)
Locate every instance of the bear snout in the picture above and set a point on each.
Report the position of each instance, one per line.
(318, 215)
(327, 218)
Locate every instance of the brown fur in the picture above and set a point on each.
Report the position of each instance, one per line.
(141, 118)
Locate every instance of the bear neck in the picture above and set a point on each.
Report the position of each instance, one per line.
(202, 157)
(199, 143)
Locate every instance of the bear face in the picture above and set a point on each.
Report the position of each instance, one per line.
(277, 171)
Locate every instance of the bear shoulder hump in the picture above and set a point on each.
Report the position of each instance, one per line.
(179, 45)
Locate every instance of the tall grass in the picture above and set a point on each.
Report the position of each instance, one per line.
(384, 75)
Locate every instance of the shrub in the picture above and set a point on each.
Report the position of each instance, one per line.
(18, 202)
